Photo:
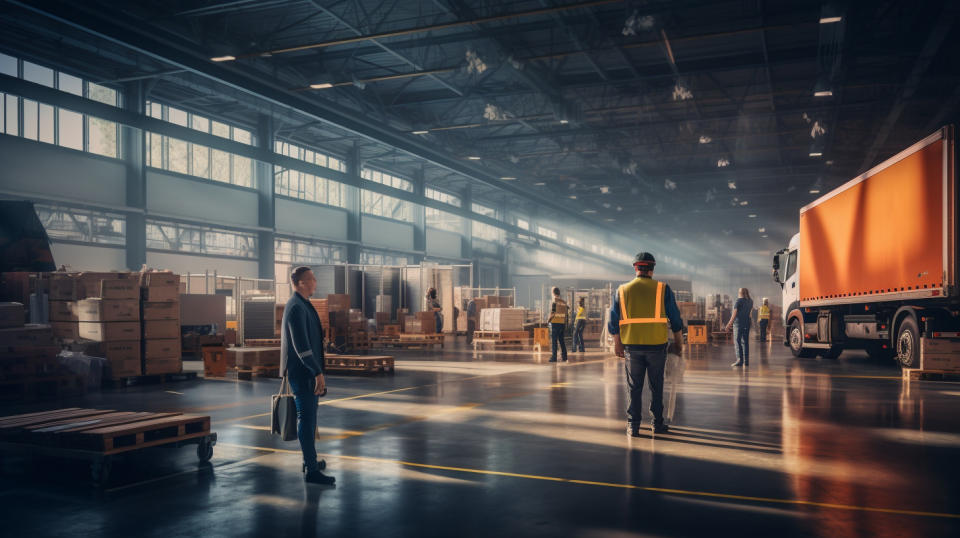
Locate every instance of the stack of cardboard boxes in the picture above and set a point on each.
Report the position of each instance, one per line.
(160, 295)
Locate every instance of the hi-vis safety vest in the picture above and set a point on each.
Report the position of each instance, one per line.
(764, 312)
(643, 320)
(559, 315)
(581, 313)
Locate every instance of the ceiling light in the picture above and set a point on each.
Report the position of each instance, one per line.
(823, 93)
(564, 122)
(539, 184)
(610, 220)
(573, 196)
(744, 202)
(814, 191)
(589, 210)
(829, 20)
(473, 158)
(227, 58)
(321, 86)
(764, 235)
(752, 216)
(508, 178)
(419, 132)
(816, 154)
(762, 230)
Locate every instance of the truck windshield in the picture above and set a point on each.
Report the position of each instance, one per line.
(791, 265)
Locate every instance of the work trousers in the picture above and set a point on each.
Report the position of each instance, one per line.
(742, 335)
(306, 402)
(556, 340)
(650, 361)
(578, 334)
(763, 329)
(438, 320)
(471, 327)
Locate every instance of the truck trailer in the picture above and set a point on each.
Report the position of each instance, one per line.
(874, 266)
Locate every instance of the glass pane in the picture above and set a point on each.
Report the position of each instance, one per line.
(71, 129)
(242, 171)
(220, 165)
(30, 119)
(177, 116)
(200, 123)
(70, 84)
(177, 156)
(8, 65)
(155, 143)
(102, 94)
(38, 73)
(155, 111)
(201, 161)
(220, 129)
(46, 124)
(102, 137)
(241, 135)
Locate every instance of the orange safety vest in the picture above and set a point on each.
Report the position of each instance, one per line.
(642, 313)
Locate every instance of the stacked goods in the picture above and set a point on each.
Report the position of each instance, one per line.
(338, 302)
(390, 330)
(254, 360)
(428, 323)
(940, 354)
(412, 325)
(382, 318)
(357, 321)
(29, 367)
(323, 311)
(161, 323)
(12, 315)
(501, 319)
(689, 310)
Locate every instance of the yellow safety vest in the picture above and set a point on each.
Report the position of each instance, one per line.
(764, 312)
(559, 315)
(642, 313)
(581, 313)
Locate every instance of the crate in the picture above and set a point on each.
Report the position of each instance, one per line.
(214, 361)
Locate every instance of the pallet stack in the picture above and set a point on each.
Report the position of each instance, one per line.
(501, 319)
(160, 294)
(99, 314)
(29, 368)
(254, 361)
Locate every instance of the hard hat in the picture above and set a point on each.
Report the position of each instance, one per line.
(644, 259)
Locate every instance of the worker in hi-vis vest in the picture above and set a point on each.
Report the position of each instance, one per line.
(763, 319)
(643, 314)
(558, 325)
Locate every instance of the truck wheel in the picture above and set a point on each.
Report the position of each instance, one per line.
(908, 343)
(832, 353)
(796, 340)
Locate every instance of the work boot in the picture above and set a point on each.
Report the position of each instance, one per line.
(633, 430)
(738, 363)
(661, 428)
(552, 359)
(321, 464)
(316, 477)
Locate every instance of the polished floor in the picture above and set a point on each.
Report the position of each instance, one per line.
(505, 444)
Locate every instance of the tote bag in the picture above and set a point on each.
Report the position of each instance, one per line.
(284, 412)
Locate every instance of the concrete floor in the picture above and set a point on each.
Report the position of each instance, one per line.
(506, 444)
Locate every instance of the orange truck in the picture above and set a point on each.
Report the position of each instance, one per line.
(875, 263)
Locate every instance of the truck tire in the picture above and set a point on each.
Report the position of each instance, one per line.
(796, 340)
(908, 343)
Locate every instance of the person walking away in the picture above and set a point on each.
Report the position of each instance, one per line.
(764, 317)
(302, 362)
(579, 324)
(740, 320)
(434, 305)
(471, 319)
(643, 313)
(558, 324)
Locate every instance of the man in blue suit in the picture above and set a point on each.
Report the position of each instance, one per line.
(301, 360)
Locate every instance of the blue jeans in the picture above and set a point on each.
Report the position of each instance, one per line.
(556, 339)
(650, 361)
(306, 402)
(742, 333)
(578, 334)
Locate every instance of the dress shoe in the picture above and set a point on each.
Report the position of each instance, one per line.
(552, 360)
(661, 428)
(633, 430)
(738, 363)
(321, 464)
(316, 477)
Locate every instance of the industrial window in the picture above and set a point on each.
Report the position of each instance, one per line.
(443, 197)
(573, 241)
(372, 257)
(481, 209)
(308, 252)
(546, 232)
(382, 205)
(309, 155)
(384, 178)
(197, 160)
(482, 230)
(296, 184)
(84, 225)
(442, 220)
(791, 265)
(54, 125)
(523, 224)
(164, 235)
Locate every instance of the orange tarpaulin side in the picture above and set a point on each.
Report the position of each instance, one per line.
(881, 235)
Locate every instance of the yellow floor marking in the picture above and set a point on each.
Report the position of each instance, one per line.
(668, 491)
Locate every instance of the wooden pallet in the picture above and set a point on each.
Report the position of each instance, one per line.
(502, 336)
(261, 342)
(30, 389)
(407, 340)
(525, 343)
(359, 364)
(916, 374)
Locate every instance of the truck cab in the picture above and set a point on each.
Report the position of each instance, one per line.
(786, 273)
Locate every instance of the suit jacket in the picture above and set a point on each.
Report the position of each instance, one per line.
(301, 339)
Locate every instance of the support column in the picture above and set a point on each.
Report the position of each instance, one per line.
(419, 216)
(133, 145)
(266, 203)
(466, 241)
(354, 222)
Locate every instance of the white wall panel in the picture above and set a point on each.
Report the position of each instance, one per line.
(386, 233)
(203, 201)
(310, 219)
(30, 167)
(443, 243)
(188, 263)
(88, 257)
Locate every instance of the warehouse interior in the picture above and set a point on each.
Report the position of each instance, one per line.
(166, 166)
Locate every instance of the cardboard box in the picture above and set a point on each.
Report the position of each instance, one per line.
(12, 315)
(62, 311)
(160, 294)
(161, 311)
(67, 331)
(96, 309)
(167, 348)
(248, 357)
(338, 302)
(115, 351)
(940, 354)
(76, 286)
(30, 334)
(160, 279)
(117, 369)
(162, 366)
(110, 331)
(156, 330)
